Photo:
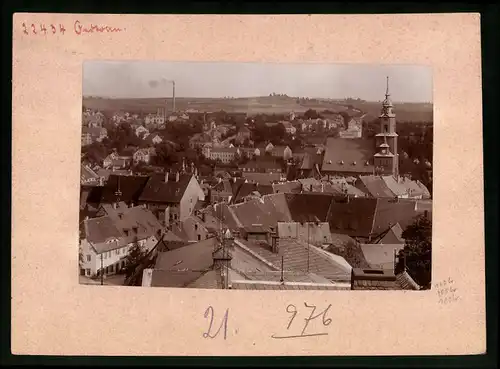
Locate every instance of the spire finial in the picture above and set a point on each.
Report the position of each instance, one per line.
(387, 88)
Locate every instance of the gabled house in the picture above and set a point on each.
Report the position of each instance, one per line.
(144, 155)
(172, 197)
(106, 241)
(141, 131)
(153, 139)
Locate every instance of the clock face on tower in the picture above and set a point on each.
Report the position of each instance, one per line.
(384, 151)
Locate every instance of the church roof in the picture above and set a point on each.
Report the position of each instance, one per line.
(348, 155)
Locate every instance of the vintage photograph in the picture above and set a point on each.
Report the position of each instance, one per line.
(256, 176)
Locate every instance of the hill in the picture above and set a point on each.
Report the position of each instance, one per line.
(257, 105)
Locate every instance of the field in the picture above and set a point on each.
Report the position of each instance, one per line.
(254, 105)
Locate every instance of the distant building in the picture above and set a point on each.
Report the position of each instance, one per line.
(144, 155)
(224, 154)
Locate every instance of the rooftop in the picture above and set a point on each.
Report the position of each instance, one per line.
(157, 190)
(348, 155)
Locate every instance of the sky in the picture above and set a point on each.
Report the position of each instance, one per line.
(150, 79)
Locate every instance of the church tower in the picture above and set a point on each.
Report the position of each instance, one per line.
(386, 159)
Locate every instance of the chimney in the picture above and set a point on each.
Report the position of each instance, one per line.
(322, 187)
(275, 244)
(166, 177)
(177, 177)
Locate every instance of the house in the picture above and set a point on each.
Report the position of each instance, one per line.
(314, 233)
(115, 161)
(198, 140)
(89, 177)
(242, 135)
(261, 166)
(221, 192)
(144, 155)
(93, 134)
(396, 187)
(289, 128)
(141, 131)
(199, 227)
(225, 154)
(153, 139)
(172, 197)
(153, 120)
(205, 264)
(354, 129)
(107, 240)
(374, 186)
(121, 188)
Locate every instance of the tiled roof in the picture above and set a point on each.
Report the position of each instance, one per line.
(87, 174)
(295, 255)
(354, 217)
(252, 212)
(394, 186)
(276, 205)
(262, 178)
(415, 188)
(393, 236)
(374, 279)
(287, 187)
(131, 188)
(138, 221)
(390, 212)
(348, 151)
(290, 286)
(406, 282)
(248, 188)
(261, 164)
(380, 256)
(193, 257)
(224, 149)
(310, 160)
(223, 212)
(106, 173)
(223, 186)
(210, 279)
(157, 190)
(376, 186)
(174, 278)
(307, 207)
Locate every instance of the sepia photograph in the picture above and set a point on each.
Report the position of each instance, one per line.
(256, 176)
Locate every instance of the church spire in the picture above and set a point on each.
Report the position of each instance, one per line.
(387, 89)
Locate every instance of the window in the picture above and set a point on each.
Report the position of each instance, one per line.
(199, 237)
(126, 232)
(117, 252)
(82, 272)
(111, 267)
(88, 257)
(386, 127)
(87, 272)
(105, 255)
(196, 227)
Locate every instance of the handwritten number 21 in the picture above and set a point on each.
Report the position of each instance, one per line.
(210, 311)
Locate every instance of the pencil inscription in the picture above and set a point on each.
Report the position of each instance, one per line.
(292, 309)
(209, 312)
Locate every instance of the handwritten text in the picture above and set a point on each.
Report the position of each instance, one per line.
(41, 29)
(446, 291)
(292, 309)
(210, 312)
(94, 28)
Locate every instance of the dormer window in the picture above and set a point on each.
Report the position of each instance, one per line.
(367, 163)
(341, 162)
(126, 231)
(354, 163)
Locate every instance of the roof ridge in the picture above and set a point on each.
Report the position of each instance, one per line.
(374, 216)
